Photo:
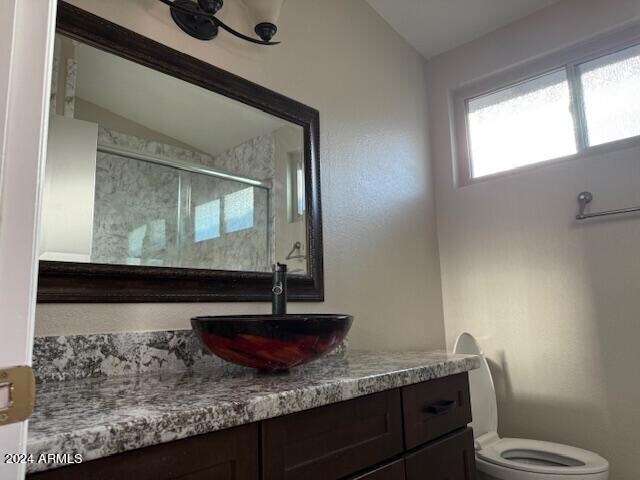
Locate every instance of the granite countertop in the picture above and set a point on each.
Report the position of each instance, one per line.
(97, 417)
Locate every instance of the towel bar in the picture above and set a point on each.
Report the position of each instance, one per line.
(585, 198)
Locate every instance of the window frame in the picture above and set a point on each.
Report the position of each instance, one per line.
(569, 59)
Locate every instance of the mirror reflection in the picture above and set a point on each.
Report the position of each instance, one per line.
(146, 169)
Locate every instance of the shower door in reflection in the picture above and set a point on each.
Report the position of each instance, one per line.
(151, 213)
(224, 224)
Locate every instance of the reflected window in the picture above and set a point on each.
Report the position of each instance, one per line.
(157, 235)
(296, 203)
(151, 237)
(300, 188)
(207, 221)
(136, 241)
(238, 210)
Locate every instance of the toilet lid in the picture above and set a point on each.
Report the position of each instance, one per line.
(483, 394)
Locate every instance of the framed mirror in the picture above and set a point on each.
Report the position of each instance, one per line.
(170, 180)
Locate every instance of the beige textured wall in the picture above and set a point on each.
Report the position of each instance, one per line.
(381, 257)
(554, 304)
(287, 140)
(90, 112)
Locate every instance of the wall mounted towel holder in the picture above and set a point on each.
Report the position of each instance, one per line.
(296, 252)
(585, 198)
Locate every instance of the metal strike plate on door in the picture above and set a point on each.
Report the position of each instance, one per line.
(21, 385)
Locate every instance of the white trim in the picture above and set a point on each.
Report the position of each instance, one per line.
(7, 20)
(568, 59)
(603, 149)
(10, 434)
(24, 89)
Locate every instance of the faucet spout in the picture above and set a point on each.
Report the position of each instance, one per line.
(279, 290)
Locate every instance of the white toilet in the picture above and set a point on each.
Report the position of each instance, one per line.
(515, 458)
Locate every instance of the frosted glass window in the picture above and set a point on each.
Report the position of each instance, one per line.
(207, 221)
(611, 96)
(238, 210)
(527, 123)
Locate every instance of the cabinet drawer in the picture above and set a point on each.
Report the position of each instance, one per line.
(226, 455)
(333, 441)
(433, 409)
(450, 458)
(391, 471)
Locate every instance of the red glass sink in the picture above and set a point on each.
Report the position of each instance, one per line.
(271, 342)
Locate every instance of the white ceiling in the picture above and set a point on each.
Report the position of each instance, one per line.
(435, 26)
(192, 115)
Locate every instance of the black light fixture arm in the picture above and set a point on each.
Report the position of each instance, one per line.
(241, 35)
(190, 25)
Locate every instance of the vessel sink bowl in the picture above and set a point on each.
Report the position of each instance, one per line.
(271, 342)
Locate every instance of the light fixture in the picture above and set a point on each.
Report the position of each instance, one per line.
(265, 14)
(198, 18)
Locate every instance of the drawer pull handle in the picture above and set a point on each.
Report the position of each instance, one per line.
(440, 408)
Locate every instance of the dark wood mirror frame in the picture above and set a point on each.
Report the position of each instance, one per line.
(64, 282)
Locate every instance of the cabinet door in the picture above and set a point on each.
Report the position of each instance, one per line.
(226, 455)
(334, 441)
(391, 471)
(450, 458)
(436, 408)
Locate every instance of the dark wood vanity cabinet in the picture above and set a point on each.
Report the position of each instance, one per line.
(226, 455)
(412, 433)
(433, 409)
(391, 471)
(449, 458)
(333, 441)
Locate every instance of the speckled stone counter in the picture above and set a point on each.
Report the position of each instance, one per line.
(97, 417)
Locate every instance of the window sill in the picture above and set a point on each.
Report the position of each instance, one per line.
(604, 149)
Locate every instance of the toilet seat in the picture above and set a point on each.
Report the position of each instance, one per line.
(547, 458)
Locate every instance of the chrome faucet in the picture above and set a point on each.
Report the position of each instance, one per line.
(279, 290)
